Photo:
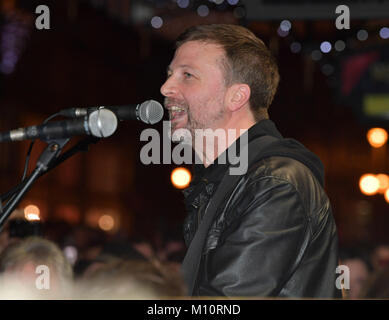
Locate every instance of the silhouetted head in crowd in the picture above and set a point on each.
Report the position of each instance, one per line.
(358, 263)
(377, 287)
(111, 252)
(16, 227)
(380, 257)
(131, 279)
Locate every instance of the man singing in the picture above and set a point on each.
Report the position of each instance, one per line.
(271, 230)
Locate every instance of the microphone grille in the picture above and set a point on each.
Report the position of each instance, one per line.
(150, 112)
(102, 123)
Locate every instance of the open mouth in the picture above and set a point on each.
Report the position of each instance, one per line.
(177, 113)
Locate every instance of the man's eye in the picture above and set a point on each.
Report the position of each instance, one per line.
(187, 75)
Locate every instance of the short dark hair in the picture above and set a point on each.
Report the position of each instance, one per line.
(248, 60)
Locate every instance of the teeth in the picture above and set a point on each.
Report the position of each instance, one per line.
(178, 109)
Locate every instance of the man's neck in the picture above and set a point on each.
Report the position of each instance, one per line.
(210, 144)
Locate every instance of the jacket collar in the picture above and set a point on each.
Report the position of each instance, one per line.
(209, 177)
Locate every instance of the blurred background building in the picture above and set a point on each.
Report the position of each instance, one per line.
(334, 88)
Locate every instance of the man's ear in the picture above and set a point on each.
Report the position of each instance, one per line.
(238, 96)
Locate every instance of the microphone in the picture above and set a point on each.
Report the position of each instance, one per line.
(149, 112)
(100, 123)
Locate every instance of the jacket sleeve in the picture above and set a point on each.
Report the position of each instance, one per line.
(259, 249)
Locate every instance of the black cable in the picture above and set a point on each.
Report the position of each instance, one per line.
(18, 187)
(31, 146)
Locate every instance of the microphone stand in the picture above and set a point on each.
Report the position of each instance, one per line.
(48, 155)
(48, 160)
(81, 146)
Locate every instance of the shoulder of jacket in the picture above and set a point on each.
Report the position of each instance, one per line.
(284, 169)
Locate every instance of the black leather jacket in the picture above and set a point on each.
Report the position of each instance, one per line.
(275, 234)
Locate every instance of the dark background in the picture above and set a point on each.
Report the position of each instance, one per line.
(103, 53)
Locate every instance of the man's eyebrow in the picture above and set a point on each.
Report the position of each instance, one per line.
(181, 66)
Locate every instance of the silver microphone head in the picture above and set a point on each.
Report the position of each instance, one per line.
(150, 112)
(102, 123)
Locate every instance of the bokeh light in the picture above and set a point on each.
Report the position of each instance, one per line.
(362, 35)
(384, 33)
(340, 45)
(156, 22)
(32, 213)
(384, 182)
(369, 184)
(282, 33)
(316, 55)
(285, 25)
(106, 222)
(71, 254)
(183, 3)
(295, 47)
(325, 47)
(181, 177)
(377, 137)
(203, 10)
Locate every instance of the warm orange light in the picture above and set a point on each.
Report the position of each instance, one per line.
(181, 177)
(377, 137)
(106, 222)
(384, 182)
(369, 184)
(32, 213)
(387, 195)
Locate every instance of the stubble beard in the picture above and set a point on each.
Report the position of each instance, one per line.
(195, 126)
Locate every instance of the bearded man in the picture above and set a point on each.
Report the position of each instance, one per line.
(268, 231)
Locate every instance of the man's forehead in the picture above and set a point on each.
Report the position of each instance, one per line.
(196, 46)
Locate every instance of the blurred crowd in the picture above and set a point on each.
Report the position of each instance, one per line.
(56, 261)
(368, 266)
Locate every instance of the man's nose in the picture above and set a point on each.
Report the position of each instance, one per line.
(169, 89)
